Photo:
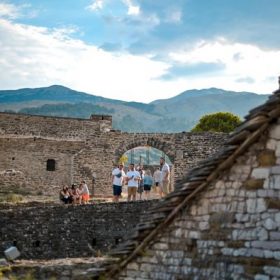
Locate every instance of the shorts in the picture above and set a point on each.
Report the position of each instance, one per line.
(131, 190)
(147, 187)
(85, 197)
(117, 190)
(164, 186)
(157, 184)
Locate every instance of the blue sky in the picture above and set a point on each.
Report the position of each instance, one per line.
(140, 50)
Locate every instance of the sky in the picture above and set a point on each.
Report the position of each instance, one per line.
(140, 50)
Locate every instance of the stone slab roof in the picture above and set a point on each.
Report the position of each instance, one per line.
(195, 182)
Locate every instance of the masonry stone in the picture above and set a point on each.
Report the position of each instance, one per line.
(45, 232)
(275, 132)
(84, 149)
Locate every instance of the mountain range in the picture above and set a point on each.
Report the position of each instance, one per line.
(176, 114)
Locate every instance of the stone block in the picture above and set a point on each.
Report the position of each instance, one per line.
(275, 170)
(133, 266)
(274, 182)
(274, 132)
(253, 184)
(203, 225)
(256, 205)
(261, 277)
(266, 158)
(160, 246)
(272, 270)
(271, 144)
(266, 245)
(261, 173)
(276, 255)
(274, 235)
(270, 224)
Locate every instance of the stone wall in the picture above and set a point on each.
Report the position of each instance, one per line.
(46, 232)
(230, 231)
(86, 150)
(23, 165)
(48, 127)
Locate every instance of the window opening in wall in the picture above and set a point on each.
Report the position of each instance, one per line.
(50, 165)
(36, 243)
(118, 240)
(94, 241)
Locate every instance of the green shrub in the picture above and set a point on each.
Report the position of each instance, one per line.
(217, 122)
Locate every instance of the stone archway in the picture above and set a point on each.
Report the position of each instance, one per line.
(167, 147)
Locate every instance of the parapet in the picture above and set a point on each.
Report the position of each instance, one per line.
(105, 121)
(101, 118)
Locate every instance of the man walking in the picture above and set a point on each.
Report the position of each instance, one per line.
(165, 177)
(118, 176)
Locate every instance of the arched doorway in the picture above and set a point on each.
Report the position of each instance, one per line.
(148, 159)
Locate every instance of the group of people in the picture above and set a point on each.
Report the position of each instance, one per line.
(138, 180)
(76, 194)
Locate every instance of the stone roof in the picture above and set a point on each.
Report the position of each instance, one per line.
(195, 182)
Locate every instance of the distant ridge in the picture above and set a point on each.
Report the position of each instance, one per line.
(176, 114)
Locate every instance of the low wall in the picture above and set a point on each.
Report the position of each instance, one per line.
(47, 232)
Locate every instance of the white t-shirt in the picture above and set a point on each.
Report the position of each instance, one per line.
(164, 170)
(85, 189)
(134, 181)
(157, 176)
(118, 176)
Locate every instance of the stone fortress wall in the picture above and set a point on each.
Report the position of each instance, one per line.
(51, 232)
(79, 149)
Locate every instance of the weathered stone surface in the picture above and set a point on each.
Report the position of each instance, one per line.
(256, 205)
(45, 232)
(260, 173)
(274, 132)
(266, 158)
(85, 150)
(253, 184)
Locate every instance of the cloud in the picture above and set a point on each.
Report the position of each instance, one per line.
(8, 10)
(244, 64)
(248, 80)
(132, 9)
(96, 5)
(35, 57)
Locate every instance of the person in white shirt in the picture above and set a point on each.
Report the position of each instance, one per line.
(118, 176)
(133, 178)
(165, 176)
(157, 176)
(85, 193)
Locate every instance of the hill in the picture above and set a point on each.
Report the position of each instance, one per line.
(179, 113)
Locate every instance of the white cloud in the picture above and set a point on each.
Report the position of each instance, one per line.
(240, 60)
(35, 57)
(132, 9)
(96, 5)
(9, 10)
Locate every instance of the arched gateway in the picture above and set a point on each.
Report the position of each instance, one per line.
(84, 149)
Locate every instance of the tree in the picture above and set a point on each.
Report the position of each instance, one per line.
(217, 122)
